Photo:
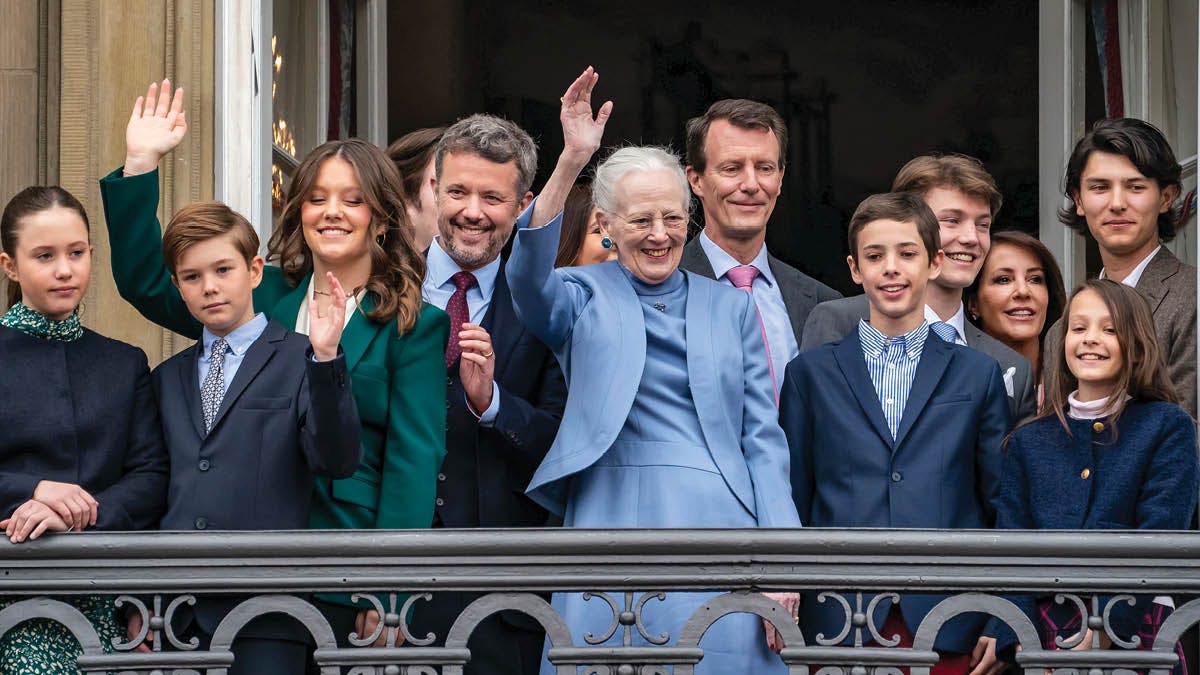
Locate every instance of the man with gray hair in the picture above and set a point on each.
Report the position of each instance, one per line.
(502, 414)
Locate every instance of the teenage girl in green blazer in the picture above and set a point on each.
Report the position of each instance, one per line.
(343, 213)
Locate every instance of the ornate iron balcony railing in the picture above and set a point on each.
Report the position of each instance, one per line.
(157, 572)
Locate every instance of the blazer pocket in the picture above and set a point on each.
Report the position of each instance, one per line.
(358, 492)
(372, 371)
(950, 398)
(265, 403)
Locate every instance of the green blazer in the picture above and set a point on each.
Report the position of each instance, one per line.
(399, 381)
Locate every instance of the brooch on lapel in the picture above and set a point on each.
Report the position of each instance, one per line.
(660, 307)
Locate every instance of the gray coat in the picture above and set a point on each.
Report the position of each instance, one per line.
(801, 293)
(834, 320)
(1170, 287)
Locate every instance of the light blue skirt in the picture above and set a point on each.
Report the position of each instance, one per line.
(645, 484)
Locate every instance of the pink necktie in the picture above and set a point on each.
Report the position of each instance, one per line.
(459, 314)
(743, 277)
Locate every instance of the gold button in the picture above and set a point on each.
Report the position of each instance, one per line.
(1085, 473)
(1098, 427)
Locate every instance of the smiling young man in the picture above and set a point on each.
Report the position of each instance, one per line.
(1122, 180)
(736, 154)
(893, 426)
(501, 418)
(964, 199)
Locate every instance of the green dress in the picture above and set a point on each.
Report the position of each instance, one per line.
(42, 646)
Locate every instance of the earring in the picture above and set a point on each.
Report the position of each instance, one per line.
(606, 242)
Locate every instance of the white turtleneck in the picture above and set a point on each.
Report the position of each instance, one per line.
(1089, 410)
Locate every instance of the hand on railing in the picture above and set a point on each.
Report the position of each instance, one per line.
(30, 520)
(76, 506)
(367, 622)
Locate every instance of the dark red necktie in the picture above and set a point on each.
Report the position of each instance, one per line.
(459, 313)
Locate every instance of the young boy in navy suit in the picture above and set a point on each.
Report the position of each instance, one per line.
(250, 413)
(894, 426)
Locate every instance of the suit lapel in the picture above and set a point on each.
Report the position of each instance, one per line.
(705, 384)
(256, 358)
(798, 302)
(696, 260)
(1153, 284)
(500, 321)
(190, 386)
(360, 331)
(288, 308)
(935, 357)
(849, 356)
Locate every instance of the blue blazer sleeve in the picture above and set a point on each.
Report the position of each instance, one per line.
(544, 300)
(794, 418)
(1013, 512)
(764, 445)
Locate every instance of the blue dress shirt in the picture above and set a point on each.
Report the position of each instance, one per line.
(437, 288)
(768, 298)
(892, 364)
(239, 341)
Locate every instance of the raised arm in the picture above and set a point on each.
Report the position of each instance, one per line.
(581, 140)
(545, 303)
(157, 124)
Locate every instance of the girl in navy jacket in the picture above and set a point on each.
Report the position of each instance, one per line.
(1109, 450)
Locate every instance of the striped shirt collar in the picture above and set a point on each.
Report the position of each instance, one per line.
(875, 343)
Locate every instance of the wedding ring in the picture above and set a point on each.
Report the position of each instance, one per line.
(796, 618)
(562, 99)
(488, 355)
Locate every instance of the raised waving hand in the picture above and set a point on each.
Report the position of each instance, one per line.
(582, 132)
(325, 330)
(156, 126)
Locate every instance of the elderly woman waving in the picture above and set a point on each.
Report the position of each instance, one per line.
(670, 418)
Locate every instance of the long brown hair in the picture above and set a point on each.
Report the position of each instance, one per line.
(31, 200)
(1143, 370)
(397, 268)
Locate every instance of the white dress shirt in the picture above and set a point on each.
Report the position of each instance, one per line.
(1136, 275)
(767, 296)
(957, 321)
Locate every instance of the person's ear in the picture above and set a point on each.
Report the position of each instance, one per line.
(1078, 203)
(693, 178)
(175, 281)
(525, 201)
(935, 264)
(256, 271)
(10, 268)
(1168, 198)
(854, 273)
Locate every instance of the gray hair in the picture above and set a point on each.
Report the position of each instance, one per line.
(624, 161)
(494, 139)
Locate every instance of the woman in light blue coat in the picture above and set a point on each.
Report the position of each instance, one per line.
(670, 418)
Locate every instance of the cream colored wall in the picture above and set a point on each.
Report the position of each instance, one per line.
(110, 51)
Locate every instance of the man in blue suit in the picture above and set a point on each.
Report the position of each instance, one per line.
(896, 425)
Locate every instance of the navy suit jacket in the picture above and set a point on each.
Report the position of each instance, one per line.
(483, 478)
(81, 412)
(1144, 477)
(941, 471)
(284, 419)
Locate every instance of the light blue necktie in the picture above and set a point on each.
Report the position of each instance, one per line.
(945, 331)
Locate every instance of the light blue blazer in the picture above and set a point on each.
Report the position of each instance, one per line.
(592, 319)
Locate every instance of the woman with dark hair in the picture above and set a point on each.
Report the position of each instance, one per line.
(81, 446)
(1018, 295)
(583, 241)
(343, 213)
